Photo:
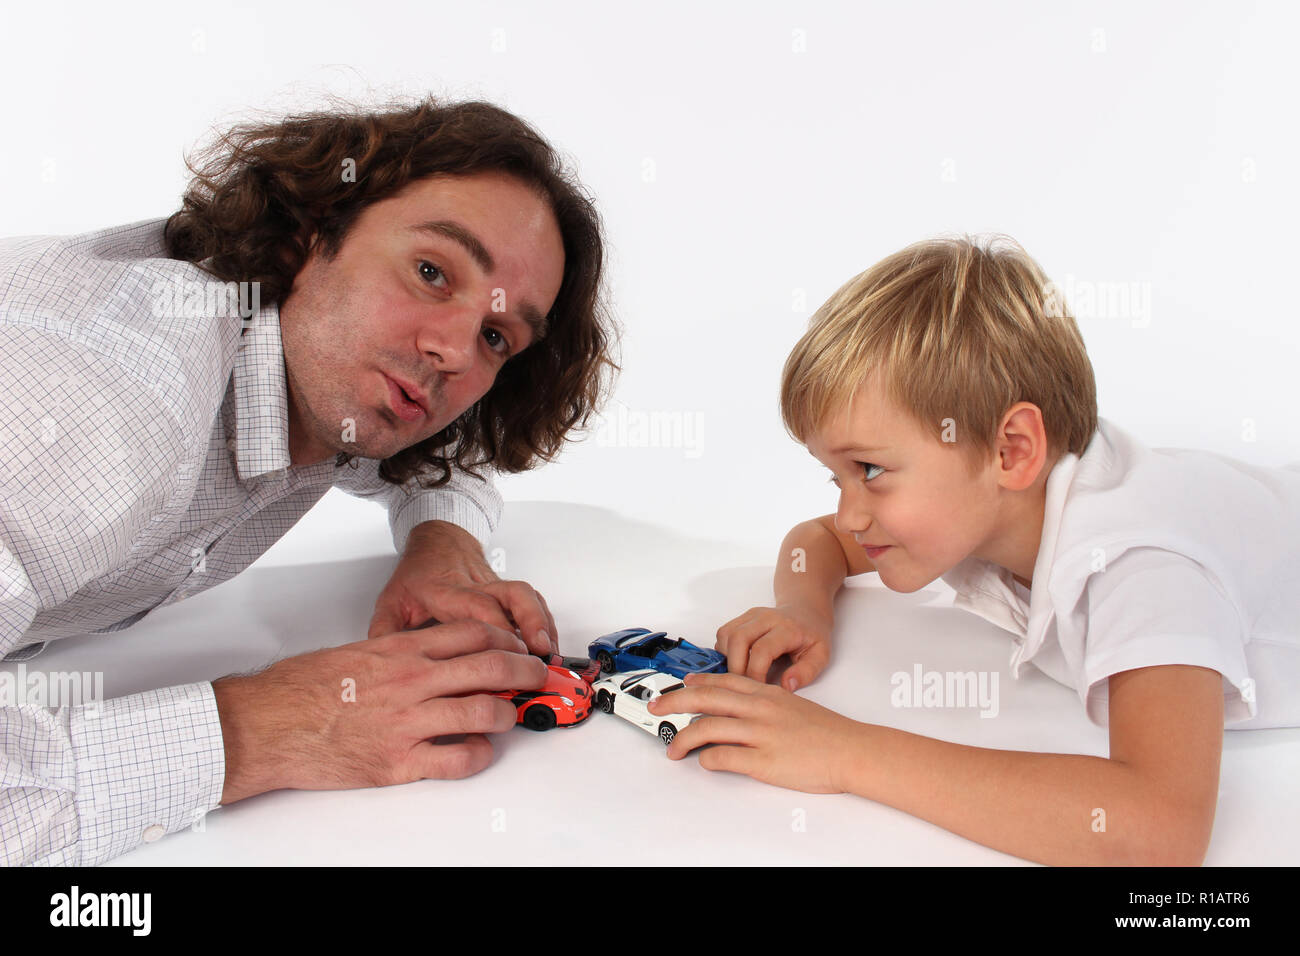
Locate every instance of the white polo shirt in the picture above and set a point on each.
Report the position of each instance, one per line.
(1155, 556)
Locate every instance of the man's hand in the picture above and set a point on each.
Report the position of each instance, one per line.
(758, 637)
(368, 714)
(442, 576)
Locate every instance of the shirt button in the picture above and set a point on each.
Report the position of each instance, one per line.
(154, 833)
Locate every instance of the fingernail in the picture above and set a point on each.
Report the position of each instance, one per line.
(545, 637)
(791, 684)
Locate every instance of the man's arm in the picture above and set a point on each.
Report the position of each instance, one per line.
(85, 456)
(464, 501)
(80, 785)
(443, 574)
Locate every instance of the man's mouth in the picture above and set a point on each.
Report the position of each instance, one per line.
(408, 407)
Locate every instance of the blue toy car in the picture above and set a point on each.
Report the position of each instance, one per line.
(638, 648)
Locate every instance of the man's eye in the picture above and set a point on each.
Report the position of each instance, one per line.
(496, 341)
(434, 275)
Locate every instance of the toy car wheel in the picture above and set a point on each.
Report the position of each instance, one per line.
(667, 732)
(606, 701)
(539, 717)
(606, 661)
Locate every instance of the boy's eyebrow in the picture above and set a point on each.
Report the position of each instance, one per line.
(479, 253)
(843, 448)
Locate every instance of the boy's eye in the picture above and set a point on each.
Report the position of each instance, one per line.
(869, 471)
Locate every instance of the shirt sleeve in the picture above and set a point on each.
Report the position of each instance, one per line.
(1152, 607)
(85, 459)
(82, 784)
(472, 503)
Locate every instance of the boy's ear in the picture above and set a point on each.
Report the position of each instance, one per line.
(1021, 446)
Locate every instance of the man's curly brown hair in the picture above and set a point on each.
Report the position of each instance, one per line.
(262, 189)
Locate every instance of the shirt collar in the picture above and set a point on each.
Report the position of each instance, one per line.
(261, 398)
(1041, 608)
(989, 590)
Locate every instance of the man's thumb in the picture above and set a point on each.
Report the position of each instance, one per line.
(387, 620)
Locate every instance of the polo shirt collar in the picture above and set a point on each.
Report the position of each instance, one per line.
(990, 591)
(1041, 607)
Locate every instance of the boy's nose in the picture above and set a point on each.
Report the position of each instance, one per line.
(851, 518)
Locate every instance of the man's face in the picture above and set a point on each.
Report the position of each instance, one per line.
(432, 290)
(914, 494)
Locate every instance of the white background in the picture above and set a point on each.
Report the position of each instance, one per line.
(792, 145)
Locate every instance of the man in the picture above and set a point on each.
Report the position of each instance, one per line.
(418, 294)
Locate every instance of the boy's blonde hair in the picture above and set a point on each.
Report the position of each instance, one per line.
(957, 330)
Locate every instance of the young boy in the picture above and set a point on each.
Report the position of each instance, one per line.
(952, 399)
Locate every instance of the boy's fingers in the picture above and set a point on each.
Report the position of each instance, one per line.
(739, 641)
(741, 618)
(730, 758)
(710, 730)
(705, 697)
(728, 631)
(737, 683)
(767, 649)
(805, 670)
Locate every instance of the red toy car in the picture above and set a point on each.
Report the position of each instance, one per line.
(584, 667)
(563, 701)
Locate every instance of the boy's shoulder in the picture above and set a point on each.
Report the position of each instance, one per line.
(1237, 520)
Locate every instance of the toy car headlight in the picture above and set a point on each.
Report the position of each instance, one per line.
(567, 702)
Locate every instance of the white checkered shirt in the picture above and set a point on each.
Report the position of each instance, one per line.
(144, 457)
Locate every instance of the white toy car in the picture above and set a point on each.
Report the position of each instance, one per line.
(627, 694)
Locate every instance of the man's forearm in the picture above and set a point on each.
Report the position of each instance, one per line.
(249, 768)
(458, 552)
(1059, 809)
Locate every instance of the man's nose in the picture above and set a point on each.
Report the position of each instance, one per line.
(452, 338)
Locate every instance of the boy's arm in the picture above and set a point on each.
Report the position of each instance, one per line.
(1155, 796)
(810, 568)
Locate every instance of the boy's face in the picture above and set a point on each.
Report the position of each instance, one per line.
(915, 495)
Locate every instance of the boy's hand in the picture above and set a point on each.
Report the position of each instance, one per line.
(768, 733)
(758, 637)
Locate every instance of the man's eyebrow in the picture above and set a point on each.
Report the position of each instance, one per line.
(459, 234)
(536, 321)
(479, 253)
